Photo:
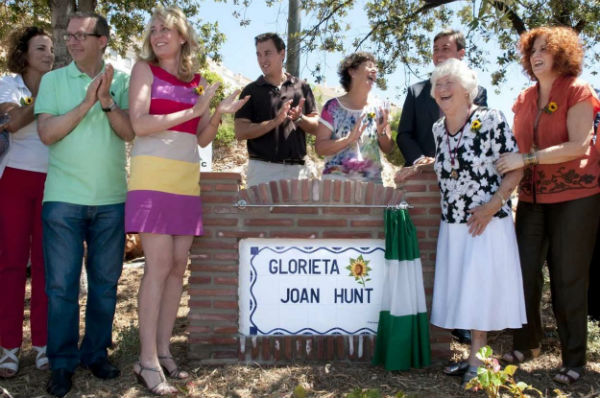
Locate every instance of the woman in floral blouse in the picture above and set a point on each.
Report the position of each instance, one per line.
(559, 201)
(352, 128)
(477, 276)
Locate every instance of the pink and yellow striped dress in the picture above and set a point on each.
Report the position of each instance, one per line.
(164, 185)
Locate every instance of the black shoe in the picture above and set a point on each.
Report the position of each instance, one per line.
(103, 369)
(463, 336)
(60, 382)
(456, 368)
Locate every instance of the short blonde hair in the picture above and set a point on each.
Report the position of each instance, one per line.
(173, 17)
(458, 69)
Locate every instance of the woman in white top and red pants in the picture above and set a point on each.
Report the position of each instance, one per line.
(22, 174)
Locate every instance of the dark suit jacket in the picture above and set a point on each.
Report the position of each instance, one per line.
(419, 113)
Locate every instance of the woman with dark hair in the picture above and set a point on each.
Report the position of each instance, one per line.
(169, 107)
(352, 128)
(22, 174)
(559, 201)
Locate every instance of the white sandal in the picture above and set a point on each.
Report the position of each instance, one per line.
(41, 360)
(9, 363)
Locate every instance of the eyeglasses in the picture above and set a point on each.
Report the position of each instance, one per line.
(79, 36)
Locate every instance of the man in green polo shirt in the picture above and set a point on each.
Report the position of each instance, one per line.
(82, 117)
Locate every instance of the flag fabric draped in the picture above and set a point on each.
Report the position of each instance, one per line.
(403, 332)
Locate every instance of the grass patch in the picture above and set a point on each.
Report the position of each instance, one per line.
(127, 343)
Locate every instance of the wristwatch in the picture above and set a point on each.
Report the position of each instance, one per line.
(110, 108)
(299, 118)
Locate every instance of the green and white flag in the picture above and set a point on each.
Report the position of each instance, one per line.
(403, 332)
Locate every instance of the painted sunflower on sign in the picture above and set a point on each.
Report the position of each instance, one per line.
(359, 269)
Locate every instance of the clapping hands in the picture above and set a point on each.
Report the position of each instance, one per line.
(232, 104)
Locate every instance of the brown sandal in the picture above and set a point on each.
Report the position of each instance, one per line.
(174, 373)
(162, 388)
(516, 357)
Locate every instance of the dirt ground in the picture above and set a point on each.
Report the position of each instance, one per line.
(327, 380)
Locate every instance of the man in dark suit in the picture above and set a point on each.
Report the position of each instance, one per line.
(420, 111)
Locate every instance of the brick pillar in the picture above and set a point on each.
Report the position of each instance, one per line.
(213, 316)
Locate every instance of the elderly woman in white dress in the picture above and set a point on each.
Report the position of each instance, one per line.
(478, 282)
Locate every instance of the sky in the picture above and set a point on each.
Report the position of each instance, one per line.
(239, 54)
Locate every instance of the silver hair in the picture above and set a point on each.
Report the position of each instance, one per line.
(458, 69)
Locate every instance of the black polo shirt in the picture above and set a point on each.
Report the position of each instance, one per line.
(264, 103)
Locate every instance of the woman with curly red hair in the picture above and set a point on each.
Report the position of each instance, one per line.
(559, 195)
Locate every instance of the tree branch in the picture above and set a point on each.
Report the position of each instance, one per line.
(429, 5)
(579, 26)
(325, 19)
(516, 21)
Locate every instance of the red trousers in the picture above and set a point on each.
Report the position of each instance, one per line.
(21, 194)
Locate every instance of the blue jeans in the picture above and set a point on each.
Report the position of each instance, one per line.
(65, 227)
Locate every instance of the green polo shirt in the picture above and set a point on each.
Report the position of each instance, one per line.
(87, 166)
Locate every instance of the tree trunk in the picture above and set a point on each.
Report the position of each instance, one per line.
(60, 10)
(87, 5)
(293, 43)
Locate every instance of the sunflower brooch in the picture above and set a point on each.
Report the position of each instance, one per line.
(26, 101)
(551, 107)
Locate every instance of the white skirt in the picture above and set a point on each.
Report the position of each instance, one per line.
(478, 283)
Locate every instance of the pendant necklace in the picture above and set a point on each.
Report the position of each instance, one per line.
(452, 152)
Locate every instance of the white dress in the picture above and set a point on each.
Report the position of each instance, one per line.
(478, 283)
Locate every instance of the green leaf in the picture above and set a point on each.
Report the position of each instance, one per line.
(522, 385)
(299, 391)
(510, 370)
(486, 351)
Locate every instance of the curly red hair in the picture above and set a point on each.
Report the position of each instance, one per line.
(564, 45)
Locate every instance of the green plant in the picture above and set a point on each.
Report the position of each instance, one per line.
(299, 392)
(226, 134)
(491, 378)
(364, 393)
(212, 77)
(395, 157)
(127, 343)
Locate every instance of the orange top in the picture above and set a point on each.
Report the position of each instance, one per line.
(553, 183)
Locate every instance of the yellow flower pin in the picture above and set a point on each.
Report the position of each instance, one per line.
(199, 90)
(475, 125)
(371, 115)
(551, 107)
(26, 101)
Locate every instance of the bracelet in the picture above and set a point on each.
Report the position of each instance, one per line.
(110, 107)
(530, 158)
(299, 118)
(502, 200)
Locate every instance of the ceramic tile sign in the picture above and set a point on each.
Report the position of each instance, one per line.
(310, 287)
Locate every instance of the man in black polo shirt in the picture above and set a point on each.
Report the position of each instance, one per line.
(275, 120)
